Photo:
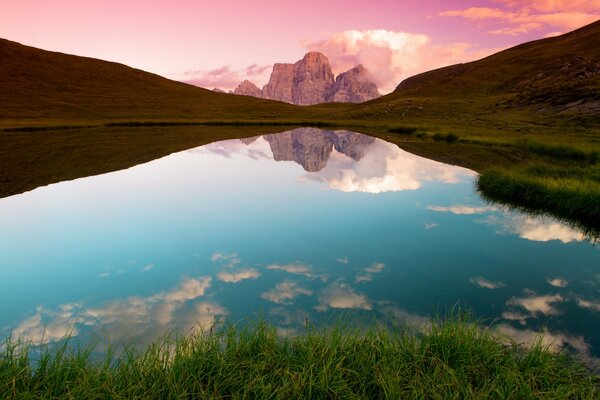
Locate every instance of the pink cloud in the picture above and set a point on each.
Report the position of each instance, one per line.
(389, 56)
(225, 77)
(523, 16)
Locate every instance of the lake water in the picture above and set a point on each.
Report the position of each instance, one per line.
(305, 225)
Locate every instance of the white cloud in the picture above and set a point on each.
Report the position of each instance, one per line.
(131, 317)
(297, 268)
(341, 295)
(558, 282)
(49, 326)
(375, 268)
(384, 167)
(593, 305)
(430, 226)
(390, 56)
(234, 277)
(285, 293)
(555, 341)
(147, 267)
(226, 260)
(367, 274)
(537, 304)
(461, 209)
(484, 283)
(343, 260)
(538, 229)
(516, 316)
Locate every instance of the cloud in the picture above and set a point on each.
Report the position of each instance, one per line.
(404, 318)
(484, 283)
(537, 304)
(341, 295)
(430, 226)
(390, 56)
(516, 316)
(234, 277)
(226, 78)
(226, 260)
(558, 282)
(593, 305)
(367, 274)
(297, 268)
(555, 341)
(461, 209)
(285, 293)
(49, 326)
(522, 16)
(147, 267)
(133, 316)
(343, 260)
(536, 229)
(384, 167)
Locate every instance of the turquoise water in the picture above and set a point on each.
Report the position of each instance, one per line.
(305, 225)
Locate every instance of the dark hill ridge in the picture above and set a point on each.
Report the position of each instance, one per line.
(559, 74)
(38, 84)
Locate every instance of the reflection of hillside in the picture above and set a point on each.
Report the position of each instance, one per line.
(311, 147)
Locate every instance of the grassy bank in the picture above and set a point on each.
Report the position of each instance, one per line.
(454, 359)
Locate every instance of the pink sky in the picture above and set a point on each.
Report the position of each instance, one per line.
(222, 42)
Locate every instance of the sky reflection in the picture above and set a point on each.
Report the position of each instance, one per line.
(299, 227)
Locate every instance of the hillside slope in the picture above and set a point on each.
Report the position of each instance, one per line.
(42, 85)
(556, 78)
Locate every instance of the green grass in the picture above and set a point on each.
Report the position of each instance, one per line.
(568, 192)
(453, 359)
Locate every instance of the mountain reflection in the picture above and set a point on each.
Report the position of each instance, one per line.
(311, 147)
(344, 160)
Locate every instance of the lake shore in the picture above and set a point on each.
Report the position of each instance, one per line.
(452, 358)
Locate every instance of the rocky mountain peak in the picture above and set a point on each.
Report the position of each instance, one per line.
(353, 86)
(247, 88)
(311, 81)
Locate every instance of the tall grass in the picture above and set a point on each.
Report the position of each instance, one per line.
(454, 359)
(572, 193)
(559, 151)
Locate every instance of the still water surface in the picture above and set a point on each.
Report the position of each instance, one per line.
(302, 225)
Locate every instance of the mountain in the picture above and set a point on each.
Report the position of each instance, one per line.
(247, 88)
(310, 81)
(51, 87)
(353, 86)
(311, 147)
(280, 84)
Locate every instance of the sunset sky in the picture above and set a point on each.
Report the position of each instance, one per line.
(217, 44)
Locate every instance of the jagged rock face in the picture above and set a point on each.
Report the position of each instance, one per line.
(313, 79)
(247, 88)
(280, 84)
(311, 147)
(310, 81)
(353, 86)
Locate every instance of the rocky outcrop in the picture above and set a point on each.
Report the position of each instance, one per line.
(247, 88)
(313, 79)
(280, 84)
(310, 81)
(311, 147)
(353, 86)
(217, 90)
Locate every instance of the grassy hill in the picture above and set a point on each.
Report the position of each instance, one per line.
(44, 87)
(548, 81)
